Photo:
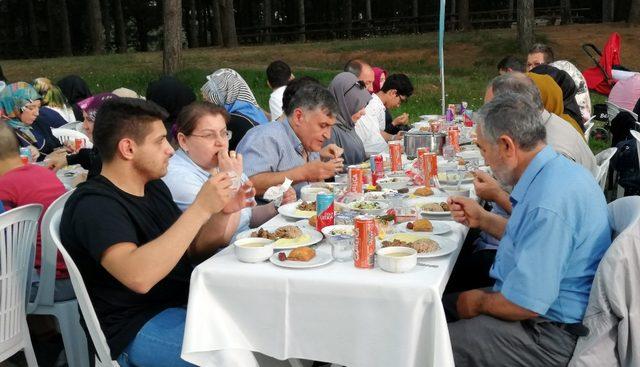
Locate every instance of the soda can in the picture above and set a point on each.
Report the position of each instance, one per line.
(79, 143)
(24, 159)
(454, 139)
(395, 154)
(324, 210)
(26, 152)
(364, 247)
(433, 164)
(356, 179)
(377, 167)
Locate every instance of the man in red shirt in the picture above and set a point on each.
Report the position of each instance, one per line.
(30, 184)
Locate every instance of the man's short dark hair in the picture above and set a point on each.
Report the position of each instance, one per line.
(547, 51)
(399, 82)
(313, 96)
(292, 88)
(120, 118)
(278, 74)
(354, 67)
(511, 62)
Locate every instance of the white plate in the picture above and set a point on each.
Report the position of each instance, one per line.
(304, 224)
(438, 228)
(467, 178)
(321, 258)
(291, 210)
(383, 206)
(341, 227)
(447, 245)
(469, 154)
(314, 237)
(429, 117)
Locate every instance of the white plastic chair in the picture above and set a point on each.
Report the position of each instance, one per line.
(603, 159)
(65, 135)
(588, 126)
(103, 355)
(66, 312)
(18, 229)
(613, 110)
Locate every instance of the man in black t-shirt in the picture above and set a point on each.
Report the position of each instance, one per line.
(132, 244)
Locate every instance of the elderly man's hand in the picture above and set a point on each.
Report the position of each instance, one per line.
(318, 170)
(469, 303)
(331, 151)
(486, 186)
(289, 196)
(466, 211)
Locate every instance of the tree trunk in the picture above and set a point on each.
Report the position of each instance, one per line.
(464, 23)
(172, 50)
(511, 7)
(96, 30)
(348, 17)
(302, 37)
(367, 10)
(634, 12)
(120, 28)
(57, 10)
(414, 15)
(143, 38)
(192, 18)
(33, 25)
(216, 24)
(268, 15)
(565, 11)
(52, 23)
(107, 21)
(228, 21)
(525, 24)
(607, 10)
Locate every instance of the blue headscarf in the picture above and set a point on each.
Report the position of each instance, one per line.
(225, 87)
(13, 98)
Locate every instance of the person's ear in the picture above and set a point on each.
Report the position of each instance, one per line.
(126, 148)
(182, 141)
(297, 116)
(506, 146)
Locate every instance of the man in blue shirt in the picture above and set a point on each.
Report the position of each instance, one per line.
(293, 148)
(549, 249)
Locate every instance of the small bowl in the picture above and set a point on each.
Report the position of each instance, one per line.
(326, 231)
(454, 191)
(253, 250)
(397, 259)
(309, 193)
(394, 183)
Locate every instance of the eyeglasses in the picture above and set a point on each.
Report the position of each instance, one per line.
(403, 99)
(360, 84)
(224, 136)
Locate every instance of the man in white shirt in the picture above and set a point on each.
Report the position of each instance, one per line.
(395, 91)
(278, 75)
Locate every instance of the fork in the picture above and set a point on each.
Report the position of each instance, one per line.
(428, 265)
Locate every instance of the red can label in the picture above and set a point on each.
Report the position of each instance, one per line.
(24, 159)
(324, 210)
(355, 179)
(453, 139)
(433, 163)
(364, 246)
(79, 143)
(395, 154)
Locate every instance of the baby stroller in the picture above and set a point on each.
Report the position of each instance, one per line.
(600, 77)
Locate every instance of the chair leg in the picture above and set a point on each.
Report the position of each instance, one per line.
(29, 354)
(73, 336)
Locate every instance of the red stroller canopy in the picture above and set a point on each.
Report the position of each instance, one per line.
(599, 77)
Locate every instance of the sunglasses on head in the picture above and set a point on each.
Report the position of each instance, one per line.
(360, 84)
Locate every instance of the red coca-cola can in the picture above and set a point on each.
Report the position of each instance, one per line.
(24, 159)
(454, 135)
(395, 154)
(356, 179)
(79, 143)
(433, 163)
(364, 246)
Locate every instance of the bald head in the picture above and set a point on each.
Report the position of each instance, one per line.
(8, 142)
(362, 71)
(517, 83)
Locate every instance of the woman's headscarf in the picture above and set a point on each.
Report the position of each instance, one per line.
(74, 88)
(350, 94)
(568, 87)
(51, 94)
(225, 87)
(552, 97)
(377, 73)
(91, 105)
(170, 94)
(13, 98)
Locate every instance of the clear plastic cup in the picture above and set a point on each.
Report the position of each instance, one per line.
(342, 247)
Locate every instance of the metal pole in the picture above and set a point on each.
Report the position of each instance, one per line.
(441, 52)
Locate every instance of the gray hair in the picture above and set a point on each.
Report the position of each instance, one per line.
(314, 96)
(513, 115)
(547, 51)
(517, 83)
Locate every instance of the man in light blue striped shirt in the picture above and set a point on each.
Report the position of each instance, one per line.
(293, 148)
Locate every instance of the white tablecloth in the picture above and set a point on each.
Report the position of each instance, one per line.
(336, 313)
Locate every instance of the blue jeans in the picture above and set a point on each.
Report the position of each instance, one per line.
(158, 343)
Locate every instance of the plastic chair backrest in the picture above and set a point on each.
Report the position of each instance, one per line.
(18, 229)
(603, 160)
(636, 135)
(65, 135)
(588, 126)
(86, 307)
(623, 213)
(49, 257)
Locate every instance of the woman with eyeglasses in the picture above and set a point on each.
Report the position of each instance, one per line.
(203, 140)
(19, 108)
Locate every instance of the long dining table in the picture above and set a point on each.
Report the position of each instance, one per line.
(335, 313)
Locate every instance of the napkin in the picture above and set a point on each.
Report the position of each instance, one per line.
(275, 193)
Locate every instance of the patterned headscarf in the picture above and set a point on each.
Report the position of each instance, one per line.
(13, 98)
(91, 105)
(52, 96)
(225, 87)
